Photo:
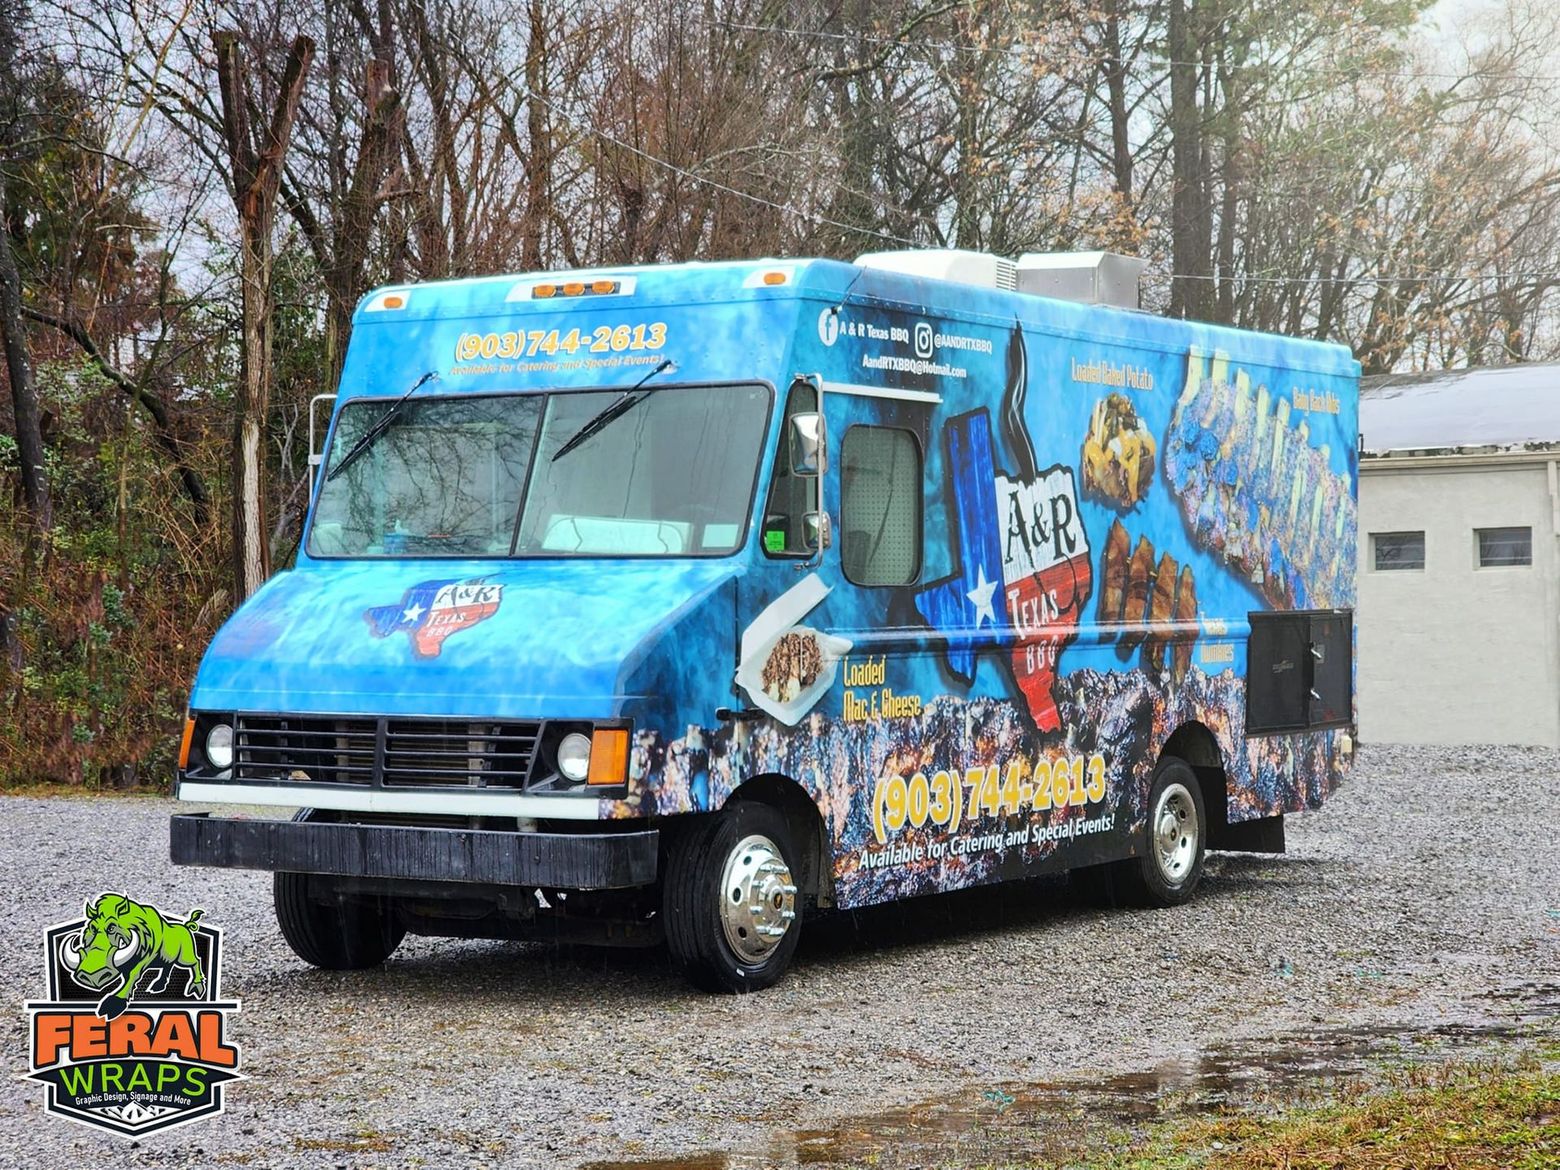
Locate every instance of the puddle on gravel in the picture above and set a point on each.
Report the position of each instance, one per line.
(1058, 1120)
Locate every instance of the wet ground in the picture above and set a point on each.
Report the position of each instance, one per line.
(975, 1029)
(1057, 1122)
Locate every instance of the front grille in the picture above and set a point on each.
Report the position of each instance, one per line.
(403, 753)
(458, 751)
(287, 747)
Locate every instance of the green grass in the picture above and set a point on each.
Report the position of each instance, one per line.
(37, 789)
(1435, 1117)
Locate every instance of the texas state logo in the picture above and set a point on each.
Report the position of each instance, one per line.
(1021, 559)
(133, 1035)
(432, 611)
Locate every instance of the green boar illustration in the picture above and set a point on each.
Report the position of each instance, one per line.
(121, 941)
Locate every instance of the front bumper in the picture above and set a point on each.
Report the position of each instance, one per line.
(569, 861)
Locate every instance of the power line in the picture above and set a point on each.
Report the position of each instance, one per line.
(1364, 278)
(1374, 278)
(1026, 53)
(717, 185)
(1444, 276)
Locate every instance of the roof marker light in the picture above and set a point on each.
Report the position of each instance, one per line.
(584, 285)
(767, 277)
(390, 299)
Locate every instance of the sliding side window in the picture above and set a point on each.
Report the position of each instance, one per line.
(880, 506)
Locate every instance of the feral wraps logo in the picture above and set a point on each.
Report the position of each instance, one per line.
(434, 610)
(132, 1035)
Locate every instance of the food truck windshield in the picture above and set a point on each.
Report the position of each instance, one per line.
(665, 471)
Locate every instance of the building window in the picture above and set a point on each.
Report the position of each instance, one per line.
(880, 506)
(1397, 550)
(1504, 546)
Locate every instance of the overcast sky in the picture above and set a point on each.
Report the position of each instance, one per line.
(1453, 16)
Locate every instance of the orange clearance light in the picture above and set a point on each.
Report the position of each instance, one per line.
(543, 291)
(394, 302)
(602, 287)
(608, 756)
(574, 288)
(184, 744)
(774, 278)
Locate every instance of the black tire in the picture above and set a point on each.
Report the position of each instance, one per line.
(335, 937)
(693, 893)
(1169, 864)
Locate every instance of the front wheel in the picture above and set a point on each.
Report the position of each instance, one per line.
(729, 899)
(330, 935)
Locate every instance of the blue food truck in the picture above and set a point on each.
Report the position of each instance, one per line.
(678, 603)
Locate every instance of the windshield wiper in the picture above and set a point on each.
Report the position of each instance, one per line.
(381, 425)
(617, 410)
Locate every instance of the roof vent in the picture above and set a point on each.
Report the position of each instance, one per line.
(956, 264)
(1095, 278)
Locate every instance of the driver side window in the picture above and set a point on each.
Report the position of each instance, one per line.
(790, 496)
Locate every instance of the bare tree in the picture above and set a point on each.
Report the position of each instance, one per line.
(256, 167)
(24, 397)
(342, 243)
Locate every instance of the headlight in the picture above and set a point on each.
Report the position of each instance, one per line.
(574, 757)
(219, 747)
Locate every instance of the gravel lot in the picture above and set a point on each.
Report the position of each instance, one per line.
(1422, 894)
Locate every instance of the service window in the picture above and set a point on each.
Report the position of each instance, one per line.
(1504, 547)
(1299, 671)
(880, 506)
(1391, 551)
(791, 497)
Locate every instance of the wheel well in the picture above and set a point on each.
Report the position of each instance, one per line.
(1195, 744)
(807, 830)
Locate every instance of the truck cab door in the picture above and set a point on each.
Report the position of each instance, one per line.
(781, 646)
(841, 535)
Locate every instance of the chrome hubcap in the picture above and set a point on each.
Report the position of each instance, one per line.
(1175, 833)
(758, 898)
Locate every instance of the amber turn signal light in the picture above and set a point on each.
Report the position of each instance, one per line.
(608, 756)
(184, 743)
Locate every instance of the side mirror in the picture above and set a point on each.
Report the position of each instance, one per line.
(809, 445)
(820, 533)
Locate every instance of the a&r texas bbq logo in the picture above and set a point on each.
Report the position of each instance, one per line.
(430, 612)
(132, 1037)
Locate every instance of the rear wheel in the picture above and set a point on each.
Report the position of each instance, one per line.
(729, 899)
(1170, 865)
(336, 936)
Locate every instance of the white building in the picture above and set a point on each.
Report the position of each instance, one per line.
(1459, 585)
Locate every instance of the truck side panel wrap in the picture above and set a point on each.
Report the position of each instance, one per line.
(1108, 502)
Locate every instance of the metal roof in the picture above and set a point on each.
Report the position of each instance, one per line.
(1480, 408)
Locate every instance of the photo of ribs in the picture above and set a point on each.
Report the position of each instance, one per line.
(1254, 490)
(1153, 604)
